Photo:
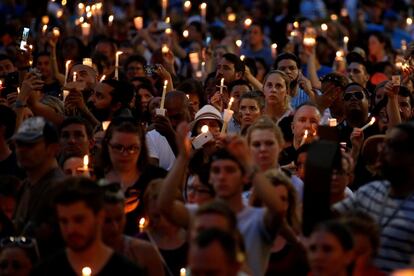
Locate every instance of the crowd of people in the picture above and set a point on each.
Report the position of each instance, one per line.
(206, 137)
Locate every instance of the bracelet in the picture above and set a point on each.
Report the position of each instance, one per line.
(20, 104)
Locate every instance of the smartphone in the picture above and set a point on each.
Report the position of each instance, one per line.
(25, 36)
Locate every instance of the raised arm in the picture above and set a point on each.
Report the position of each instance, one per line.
(174, 210)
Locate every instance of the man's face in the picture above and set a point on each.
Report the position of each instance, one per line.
(74, 140)
(135, 69)
(114, 223)
(101, 97)
(32, 155)
(211, 260)
(305, 118)
(43, 65)
(357, 73)
(355, 103)
(177, 111)
(236, 92)
(79, 225)
(226, 70)
(290, 67)
(6, 67)
(71, 165)
(255, 35)
(86, 75)
(226, 178)
(406, 110)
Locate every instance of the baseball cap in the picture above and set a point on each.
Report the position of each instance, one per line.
(206, 112)
(34, 129)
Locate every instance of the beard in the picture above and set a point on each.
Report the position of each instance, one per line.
(79, 243)
(100, 114)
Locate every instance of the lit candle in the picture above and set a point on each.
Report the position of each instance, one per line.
(185, 33)
(332, 122)
(102, 78)
(409, 22)
(105, 125)
(203, 67)
(45, 20)
(274, 50)
(183, 272)
(110, 20)
(56, 32)
(87, 62)
(227, 114)
(370, 123)
(86, 271)
(117, 54)
(59, 13)
(165, 49)
(138, 22)
(44, 29)
(239, 43)
(65, 94)
(86, 29)
(231, 17)
(203, 11)
(187, 6)
(247, 22)
(168, 31)
(242, 57)
(1, 85)
(141, 225)
(74, 78)
(305, 136)
(324, 28)
(164, 5)
(200, 140)
(334, 17)
(86, 165)
(67, 71)
(339, 55)
(164, 92)
(403, 45)
(346, 40)
(194, 60)
(296, 25)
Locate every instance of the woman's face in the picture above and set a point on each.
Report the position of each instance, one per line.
(374, 45)
(275, 89)
(326, 254)
(146, 97)
(14, 261)
(261, 71)
(249, 111)
(264, 148)
(196, 192)
(124, 149)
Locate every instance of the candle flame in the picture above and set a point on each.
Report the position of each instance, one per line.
(239, 43)
(185, 33)
(204, 129)
(102, 78)
(105, 125)
(306, 134)
(142, 222)
(85, 161)
(274, 46)
(324, 27)
(203, 6)
(111, 18)
(242, 57)
(86, 271)
(248, 22)
(372, 121)
(118, 53)
(187, 4)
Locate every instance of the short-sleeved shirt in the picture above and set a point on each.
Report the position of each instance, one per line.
(395, 217)
(159, 148)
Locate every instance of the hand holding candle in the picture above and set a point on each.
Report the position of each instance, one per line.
(141, 225)
(228, 113)
(370, 123)
(161, 110)
(204, 137)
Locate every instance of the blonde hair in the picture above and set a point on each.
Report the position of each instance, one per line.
(264, 122)
(286, 79)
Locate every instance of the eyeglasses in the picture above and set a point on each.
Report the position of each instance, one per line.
(21, 241)
(128, 149)
(357, 95)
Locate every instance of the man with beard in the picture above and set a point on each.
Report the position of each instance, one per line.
(355, 100)
(79, 207)
(406, 103)
(111, 98)
(301, 90)
(390, 202)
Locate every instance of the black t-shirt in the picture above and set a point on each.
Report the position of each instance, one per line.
(134, 197)
(287, 156)
(59, 264)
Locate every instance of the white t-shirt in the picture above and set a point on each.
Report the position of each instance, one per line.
(159, 148)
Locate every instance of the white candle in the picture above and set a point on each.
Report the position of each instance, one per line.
(221, 85)
(86, 271)
(65, 94)
(74, 78)
(185, 33)
(117, 54)
(44, 29)
(194, 60)
(86, 165)
(370, 123)
(203, 11)
(346, 39)
(67, 70)
(45, 20)
(332, 122)
(102, 78)
(183, 272)
(230, 103)
(248, 22)
(56, 32)
(164, 5)
(164, 92)
(165, 49)
(324, 28)
(239, 43)
(305, 136)
(138, 22)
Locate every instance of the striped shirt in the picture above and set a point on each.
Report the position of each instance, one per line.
(395, 217)
(299, 99)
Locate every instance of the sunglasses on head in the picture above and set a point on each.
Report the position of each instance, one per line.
(357, 95)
